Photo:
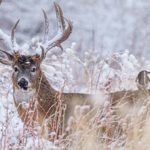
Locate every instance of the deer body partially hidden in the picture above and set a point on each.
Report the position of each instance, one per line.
(47, 101)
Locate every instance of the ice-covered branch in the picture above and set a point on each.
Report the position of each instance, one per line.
(5, 40)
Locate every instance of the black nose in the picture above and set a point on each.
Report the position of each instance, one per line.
(23, 83)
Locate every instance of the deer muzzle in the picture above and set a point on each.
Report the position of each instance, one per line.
(23, 84)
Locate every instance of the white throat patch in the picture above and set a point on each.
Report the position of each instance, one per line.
(22, 96)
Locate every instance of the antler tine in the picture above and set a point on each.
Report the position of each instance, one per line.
(42, 53)
(60, 17)
(46, 24)
(64, 29)
(13, 33)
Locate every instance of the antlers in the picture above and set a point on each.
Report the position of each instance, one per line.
(46, 23)
(64, 29)
(13, 34)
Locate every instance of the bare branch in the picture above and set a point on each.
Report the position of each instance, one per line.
(5, 40)
(13, 34)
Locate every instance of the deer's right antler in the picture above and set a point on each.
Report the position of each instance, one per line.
(13, 34)
(46, 24)
(64, 29)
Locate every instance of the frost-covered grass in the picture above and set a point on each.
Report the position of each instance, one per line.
(107, 129)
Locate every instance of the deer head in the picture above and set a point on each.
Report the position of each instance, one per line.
(26, 68)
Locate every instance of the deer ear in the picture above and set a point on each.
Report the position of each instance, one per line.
(6, 58)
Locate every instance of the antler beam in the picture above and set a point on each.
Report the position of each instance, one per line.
(13, 34)
(64, 29)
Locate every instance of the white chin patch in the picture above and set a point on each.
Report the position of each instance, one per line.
(27, 63)
(21, 95)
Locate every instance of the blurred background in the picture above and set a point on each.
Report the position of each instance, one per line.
(99, 25)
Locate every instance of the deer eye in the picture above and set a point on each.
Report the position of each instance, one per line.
(33, 69)
(16, 69)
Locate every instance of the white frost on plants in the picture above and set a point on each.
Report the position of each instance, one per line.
(116, 72)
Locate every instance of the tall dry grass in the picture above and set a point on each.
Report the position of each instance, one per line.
(112, 127)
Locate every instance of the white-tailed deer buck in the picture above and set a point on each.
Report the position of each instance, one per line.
(30, 84)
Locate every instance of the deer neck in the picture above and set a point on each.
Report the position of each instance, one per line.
(44, 90)
(46, 95)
